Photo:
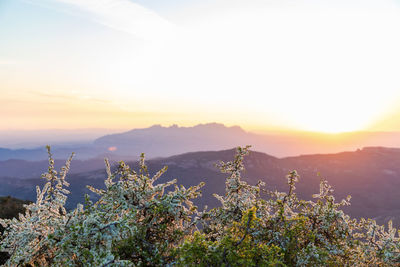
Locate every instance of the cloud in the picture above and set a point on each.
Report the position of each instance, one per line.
(121, 15)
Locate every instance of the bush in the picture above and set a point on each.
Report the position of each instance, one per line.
(137, 222)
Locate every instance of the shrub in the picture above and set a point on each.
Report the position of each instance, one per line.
(137, 222)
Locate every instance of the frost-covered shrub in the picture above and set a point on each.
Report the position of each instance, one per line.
(284, 230)
(137, 222)
(134, 221)
(26, 239)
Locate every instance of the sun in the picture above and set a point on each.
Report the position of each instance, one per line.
(337, 116)
(334, 126)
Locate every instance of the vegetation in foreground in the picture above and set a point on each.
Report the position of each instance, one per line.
(137, 222)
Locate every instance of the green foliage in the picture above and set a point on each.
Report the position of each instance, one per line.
(138, 222)
(237, 247)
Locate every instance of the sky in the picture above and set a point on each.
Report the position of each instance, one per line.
(266, 65)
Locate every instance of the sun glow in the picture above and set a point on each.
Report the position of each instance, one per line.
(310, 73)
(326, 69)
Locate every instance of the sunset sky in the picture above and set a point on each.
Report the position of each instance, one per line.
(308, 65)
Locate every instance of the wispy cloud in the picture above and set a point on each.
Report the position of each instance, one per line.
(121, 15)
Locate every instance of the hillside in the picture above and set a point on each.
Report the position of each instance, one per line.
(10, 207)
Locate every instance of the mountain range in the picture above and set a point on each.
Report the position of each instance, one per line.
(158, 141)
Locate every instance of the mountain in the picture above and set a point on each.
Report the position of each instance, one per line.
(24, 169)
(85, 151)
(17, 139)
(370, 175)
(159, 141)
(26, 154)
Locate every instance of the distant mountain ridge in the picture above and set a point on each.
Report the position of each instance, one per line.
(159, 141)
